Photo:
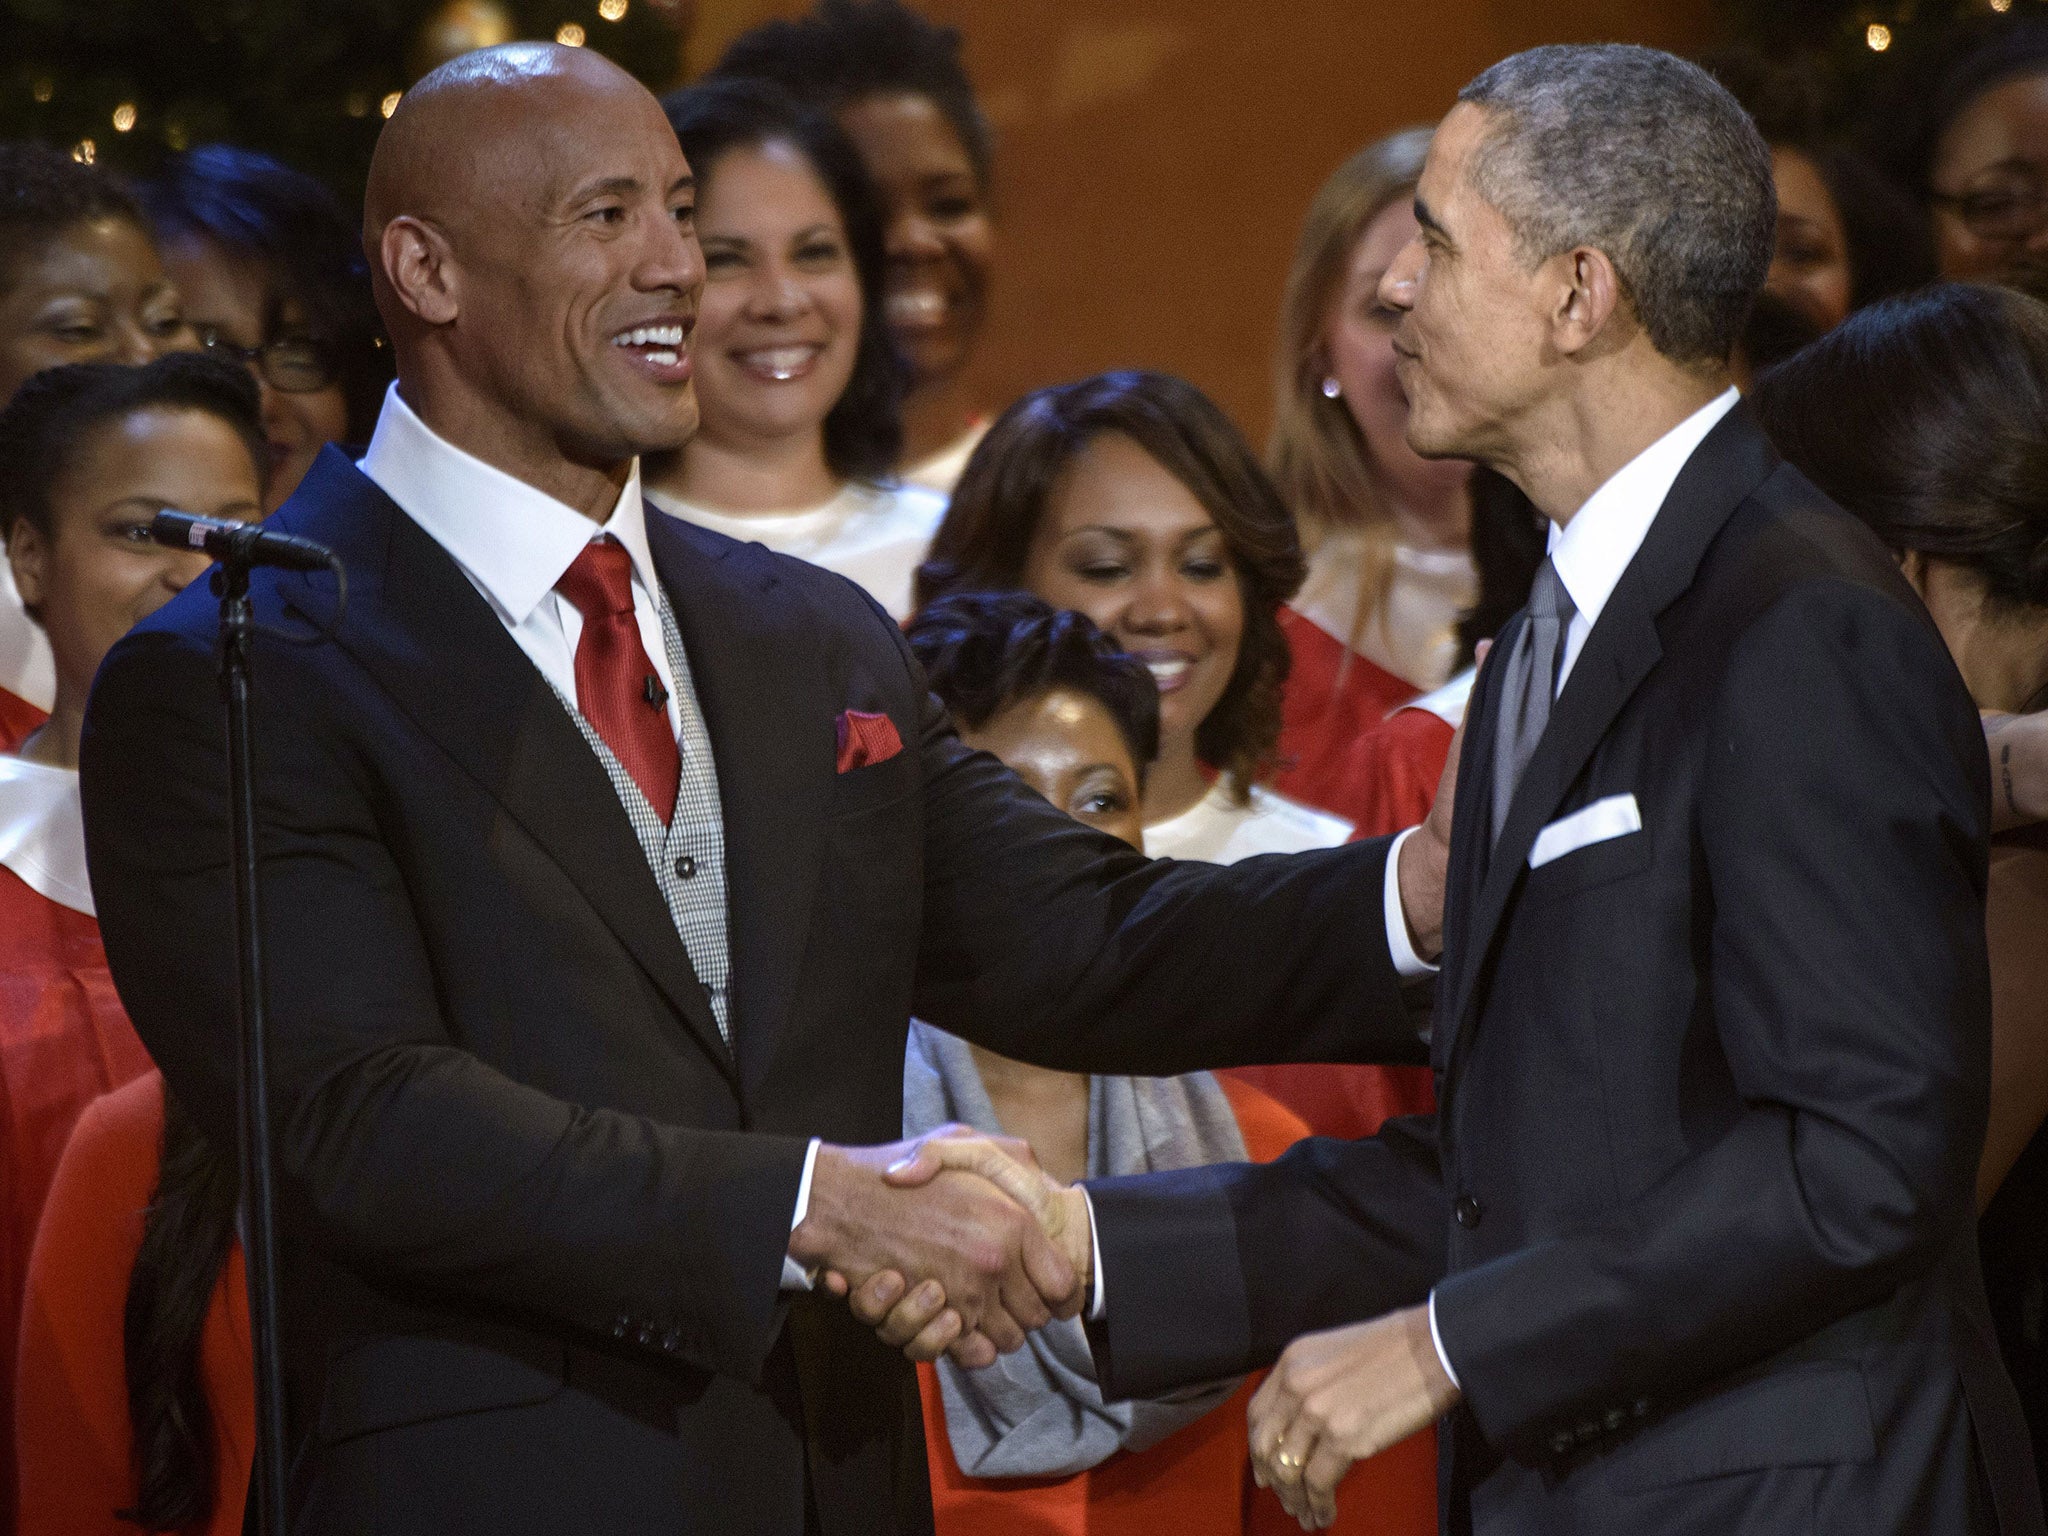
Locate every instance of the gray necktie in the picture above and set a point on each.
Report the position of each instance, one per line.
(1531, 681)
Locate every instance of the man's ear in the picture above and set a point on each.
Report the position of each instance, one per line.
(1589, 292)
(419, 267)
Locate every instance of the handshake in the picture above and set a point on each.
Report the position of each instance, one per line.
(954, 1243)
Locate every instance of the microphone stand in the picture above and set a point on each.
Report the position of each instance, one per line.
(258, 1203)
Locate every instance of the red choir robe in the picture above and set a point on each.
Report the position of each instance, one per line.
(64, 1037)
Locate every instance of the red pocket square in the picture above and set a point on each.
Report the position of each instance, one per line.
(866, 739)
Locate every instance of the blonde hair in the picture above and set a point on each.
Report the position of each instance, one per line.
(1317, 457)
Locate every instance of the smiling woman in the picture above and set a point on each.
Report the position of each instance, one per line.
(1131, 498)
(79, 282)
(798, 383)
(895, 83)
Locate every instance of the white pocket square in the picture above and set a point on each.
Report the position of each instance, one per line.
(1615, 816)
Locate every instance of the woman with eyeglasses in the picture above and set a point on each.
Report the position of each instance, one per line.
(1970, 134)
(273, 275)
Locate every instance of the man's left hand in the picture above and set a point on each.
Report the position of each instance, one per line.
(1338, 1397)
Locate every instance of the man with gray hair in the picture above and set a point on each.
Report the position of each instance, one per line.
(1711, 1033)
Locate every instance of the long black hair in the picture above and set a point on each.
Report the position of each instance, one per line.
(864, 430)
(297, 231)
(186, 1235)
(1927, 417)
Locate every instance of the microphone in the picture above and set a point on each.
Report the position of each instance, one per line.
(243, 544)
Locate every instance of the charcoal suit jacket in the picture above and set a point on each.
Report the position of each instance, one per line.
(533, 1208)
(1712, 1086)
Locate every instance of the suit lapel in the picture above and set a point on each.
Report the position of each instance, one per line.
(428, 637)
(760, 681)
(1623, 647)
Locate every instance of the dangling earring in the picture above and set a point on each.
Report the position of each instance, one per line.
(1331, 388)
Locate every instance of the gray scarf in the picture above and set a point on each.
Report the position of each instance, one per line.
(1038, 1412)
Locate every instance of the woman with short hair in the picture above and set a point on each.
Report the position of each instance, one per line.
(1029, 1444)
(273, 276)
(80, 282)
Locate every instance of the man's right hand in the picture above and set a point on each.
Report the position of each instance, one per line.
(944, 1233)
(917, 1319)
(1426, 857)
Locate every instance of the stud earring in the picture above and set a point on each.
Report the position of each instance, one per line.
(1331, 388)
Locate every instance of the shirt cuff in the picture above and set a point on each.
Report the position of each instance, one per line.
(1437, 1340)
(1095, 1286)
(794, 1276)
(1408, 965)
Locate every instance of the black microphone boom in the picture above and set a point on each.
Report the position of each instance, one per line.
(244, 544)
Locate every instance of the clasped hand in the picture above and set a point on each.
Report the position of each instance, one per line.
(1340, 1396)
(953, 1243)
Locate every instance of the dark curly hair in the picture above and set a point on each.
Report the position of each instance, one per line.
(44, 427)
(1927, 417)
(986, 536)
(864, 430)
(846, 50)
(982, 652)
(298, 233)
(44, 192)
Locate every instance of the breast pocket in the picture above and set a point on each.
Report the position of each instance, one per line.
(1612, 856)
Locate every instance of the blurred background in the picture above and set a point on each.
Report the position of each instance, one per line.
(1157, 148)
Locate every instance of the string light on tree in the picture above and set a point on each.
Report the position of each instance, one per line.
(178, 136)
(388, 105)
(1877, 36)
(2001, 6)
(43, 90)
(612, 10)
(124, 117)
(85, 151)
(357, 104)
(570, 35)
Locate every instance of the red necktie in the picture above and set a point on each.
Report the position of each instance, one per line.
(617, 688)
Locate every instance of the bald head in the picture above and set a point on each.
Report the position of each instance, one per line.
(480, 126)
(528, 215)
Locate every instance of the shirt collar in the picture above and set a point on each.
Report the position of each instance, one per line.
(515, 542)
(1594, 548)
(42, 834)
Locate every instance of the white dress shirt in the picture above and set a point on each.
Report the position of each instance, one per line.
(1590, 553)
(514, 543)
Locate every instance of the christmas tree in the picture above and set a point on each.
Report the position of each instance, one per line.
(126, 82)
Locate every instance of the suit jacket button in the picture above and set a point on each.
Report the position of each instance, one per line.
(686, 867)
(1468, 1211)
(672, 1342)
(648, 1335)
(1614, 1419)
(1561, 1442)
(621, 1325)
